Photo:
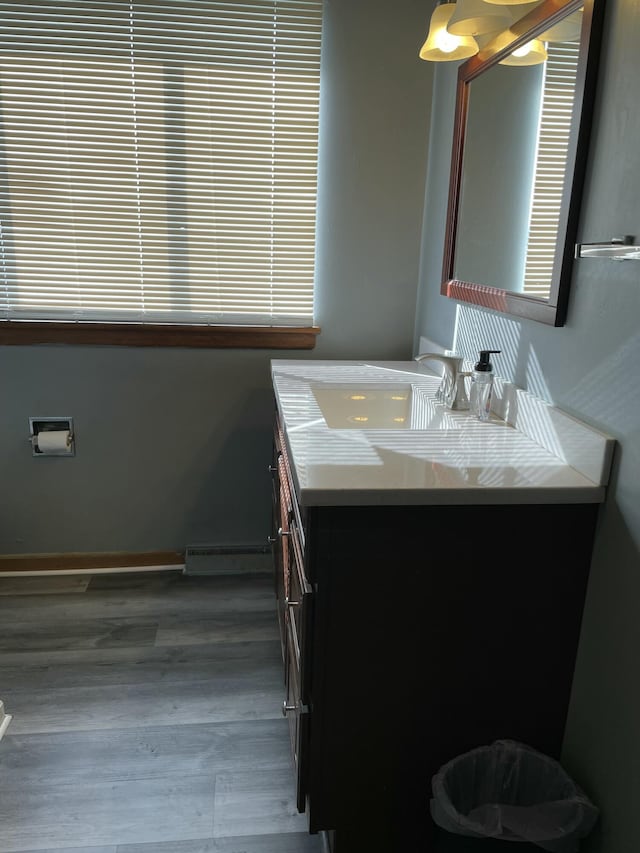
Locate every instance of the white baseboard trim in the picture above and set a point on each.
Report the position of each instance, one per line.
(177, 567)
(227, 560)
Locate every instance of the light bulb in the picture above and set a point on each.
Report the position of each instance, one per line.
(446, 42)
(533, 52)
(524, 50)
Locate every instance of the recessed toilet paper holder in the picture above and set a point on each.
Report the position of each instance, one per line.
(63, 445)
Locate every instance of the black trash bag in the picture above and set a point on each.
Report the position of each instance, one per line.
(510, 791)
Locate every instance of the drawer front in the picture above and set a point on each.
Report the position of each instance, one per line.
(299, 603)
(279, 539)
(293, 588)
(281, 449)
(297, 714)
(294, 610)
(273, 470)
(282, 562)
(283, 537)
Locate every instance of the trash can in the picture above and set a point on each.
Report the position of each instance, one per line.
(497, 797)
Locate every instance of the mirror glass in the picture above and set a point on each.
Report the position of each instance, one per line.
(519, 151)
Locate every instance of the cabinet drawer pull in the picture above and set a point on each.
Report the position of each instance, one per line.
(290, 603)
(272, 469)
(286, 708)
(272, 540)
(282, 532)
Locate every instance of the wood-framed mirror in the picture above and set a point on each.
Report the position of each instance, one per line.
(520, 145)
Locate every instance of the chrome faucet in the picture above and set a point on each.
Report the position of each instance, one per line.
(451, 390)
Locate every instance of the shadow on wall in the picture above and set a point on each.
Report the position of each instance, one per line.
(599, 388)
(602, 726)
(603, 389)
(242, 515)
(475, 330)
(171, 445)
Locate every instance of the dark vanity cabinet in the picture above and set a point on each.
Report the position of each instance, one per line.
(411, 634)
(294, 604)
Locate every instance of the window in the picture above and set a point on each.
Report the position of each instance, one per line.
(158, 168)
(556, 115)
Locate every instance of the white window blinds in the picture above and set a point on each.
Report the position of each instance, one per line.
(558, 96)
(158, 160)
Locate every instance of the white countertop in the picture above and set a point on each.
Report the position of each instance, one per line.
(430, 455)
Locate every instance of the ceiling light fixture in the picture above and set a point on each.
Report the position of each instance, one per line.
(510, 2)
(475, 18)
(441, 45)
(533, 52)
(489, 20)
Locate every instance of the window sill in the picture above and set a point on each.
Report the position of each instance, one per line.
(20, 333)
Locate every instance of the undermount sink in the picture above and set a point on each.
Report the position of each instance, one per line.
(381, 406)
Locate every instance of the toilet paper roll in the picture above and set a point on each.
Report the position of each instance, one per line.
(54, 441)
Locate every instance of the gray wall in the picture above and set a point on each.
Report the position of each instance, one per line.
(589, 367)
(173, 445)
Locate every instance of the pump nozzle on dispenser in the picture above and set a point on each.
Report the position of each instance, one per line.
(484, 365)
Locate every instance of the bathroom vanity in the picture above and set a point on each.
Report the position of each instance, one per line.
(430, 573)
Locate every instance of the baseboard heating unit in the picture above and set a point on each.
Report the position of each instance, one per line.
(227, 559)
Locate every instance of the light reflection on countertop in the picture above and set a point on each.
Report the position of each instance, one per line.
(433, 456)
(385, 405)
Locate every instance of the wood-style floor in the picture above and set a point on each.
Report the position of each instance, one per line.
(146, 717)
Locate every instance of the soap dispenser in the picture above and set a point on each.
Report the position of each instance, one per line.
(482, 385)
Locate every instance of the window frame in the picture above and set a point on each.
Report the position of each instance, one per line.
(21, 332)
(156, 333)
